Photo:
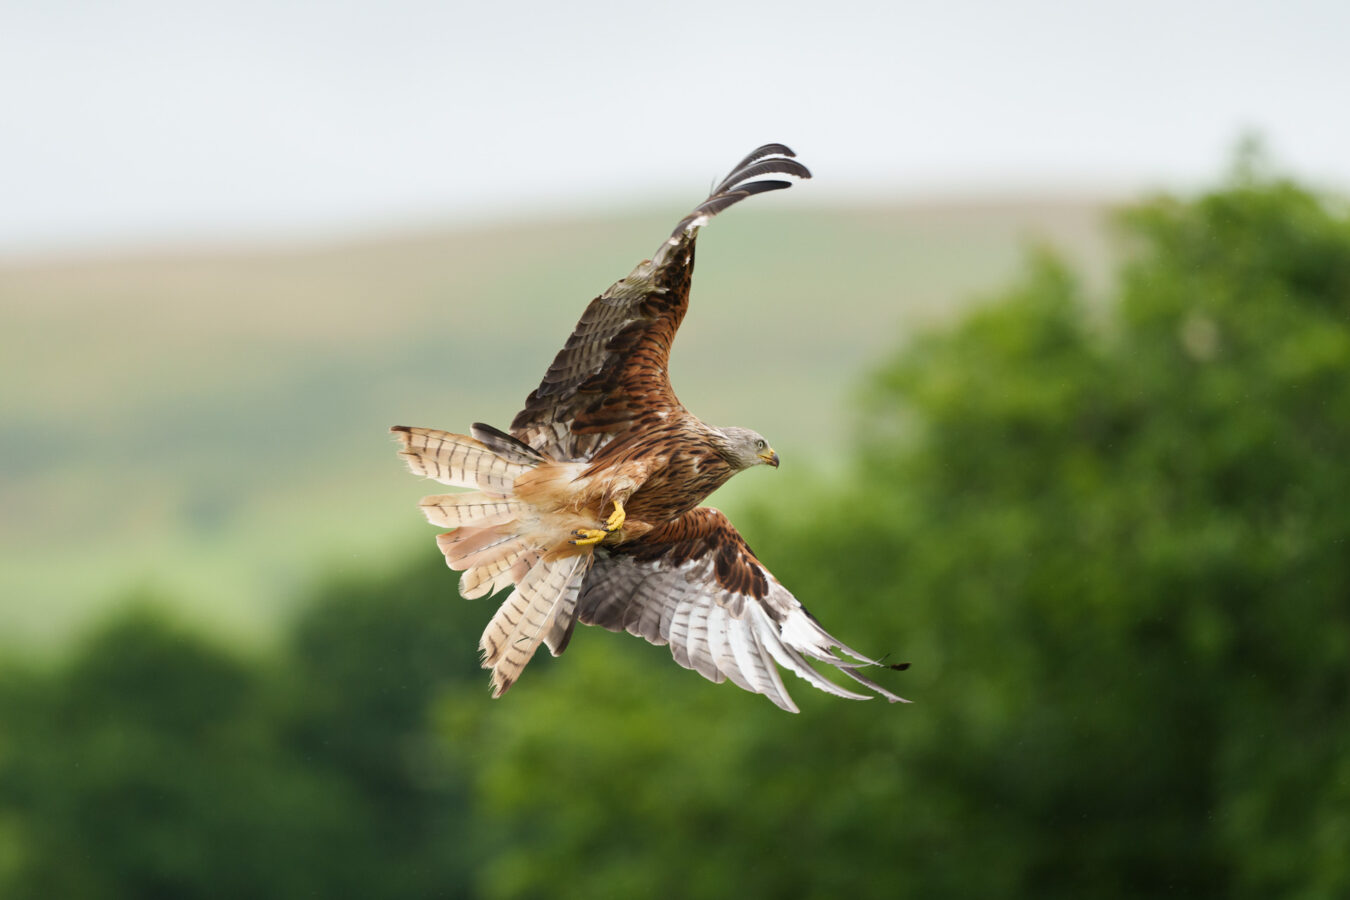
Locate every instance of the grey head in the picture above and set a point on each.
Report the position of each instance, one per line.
(743, 448)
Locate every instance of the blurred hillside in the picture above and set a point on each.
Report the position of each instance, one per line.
(210, 426)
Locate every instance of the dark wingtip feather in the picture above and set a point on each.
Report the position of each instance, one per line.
(775, 166)
(720, 201)
(762, 151)
(504, 445)
(852, 672)
(768, 159)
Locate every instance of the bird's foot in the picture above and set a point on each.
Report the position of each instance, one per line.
(584, 537)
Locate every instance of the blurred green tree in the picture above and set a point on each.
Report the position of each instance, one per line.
(155, 764)
(1112, 538)
(147, 768)
(367, 666)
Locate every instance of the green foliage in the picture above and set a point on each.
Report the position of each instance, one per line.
(1111, 538)
(366, 667)
(1133, 535)
(155, 764)
(146, 768)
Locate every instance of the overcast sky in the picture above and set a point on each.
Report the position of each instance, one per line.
(124, 123)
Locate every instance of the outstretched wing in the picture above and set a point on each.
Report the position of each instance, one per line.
(611, 376)
(695, 585)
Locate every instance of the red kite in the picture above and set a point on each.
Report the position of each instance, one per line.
(590, 506)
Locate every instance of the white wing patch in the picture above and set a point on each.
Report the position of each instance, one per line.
(684, 606)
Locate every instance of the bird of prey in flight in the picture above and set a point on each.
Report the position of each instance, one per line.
(589, 507)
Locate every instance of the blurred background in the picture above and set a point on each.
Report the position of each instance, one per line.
(1054, 347)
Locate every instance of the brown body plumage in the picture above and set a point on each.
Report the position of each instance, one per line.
(590, 506)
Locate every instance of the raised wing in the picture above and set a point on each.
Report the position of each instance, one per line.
(611, 376)
(695, 585)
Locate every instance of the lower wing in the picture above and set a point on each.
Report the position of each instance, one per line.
(694, 585)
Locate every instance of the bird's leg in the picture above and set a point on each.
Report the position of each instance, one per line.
(585, 536)
(616, 518)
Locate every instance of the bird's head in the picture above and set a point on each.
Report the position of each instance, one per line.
(744, 448)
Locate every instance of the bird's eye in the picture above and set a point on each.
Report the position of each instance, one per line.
(760, 445)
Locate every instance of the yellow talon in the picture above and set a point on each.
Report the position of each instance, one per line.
(583, 537)
(616, 518)
(586, 536)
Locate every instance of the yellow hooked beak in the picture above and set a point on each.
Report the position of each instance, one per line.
(769, 456)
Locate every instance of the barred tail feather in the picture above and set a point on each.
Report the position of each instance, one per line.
(519, 569)
(563, 621)
(457, 460)
(466, 547)
(492, 576)
(474, 508)
(485, 544)
(529, 613)
(486, 556)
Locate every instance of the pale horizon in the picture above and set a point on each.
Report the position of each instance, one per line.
(154, 124)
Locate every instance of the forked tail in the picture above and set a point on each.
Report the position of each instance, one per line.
(494, 541)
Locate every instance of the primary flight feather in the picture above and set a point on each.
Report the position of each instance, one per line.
(589, 507)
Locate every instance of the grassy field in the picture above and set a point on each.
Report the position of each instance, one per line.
(208, 428)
